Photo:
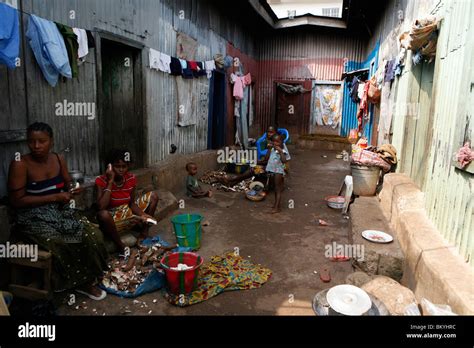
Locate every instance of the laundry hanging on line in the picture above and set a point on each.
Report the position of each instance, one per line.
(9, 36)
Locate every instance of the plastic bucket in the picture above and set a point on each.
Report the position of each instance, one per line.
(187, 228)
(181, 282)
(365, 179)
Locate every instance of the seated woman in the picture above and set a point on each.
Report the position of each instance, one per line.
(37, 185)
(118, 208)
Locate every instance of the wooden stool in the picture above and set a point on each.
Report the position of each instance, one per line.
(19, 283)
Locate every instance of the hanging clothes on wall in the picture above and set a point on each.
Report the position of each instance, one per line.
(90, 39)
(209, 66)
(49, 49)
(9, 36)
(327, 108)
(363, 112)
(83, 46)
(154, 58)
(72, 46)
(240, 82)
(175, 67)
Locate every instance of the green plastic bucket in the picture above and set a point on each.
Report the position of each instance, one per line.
(187, 228)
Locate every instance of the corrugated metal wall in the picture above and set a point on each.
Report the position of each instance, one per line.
(434, 135)
(301, 55)
(149, 22)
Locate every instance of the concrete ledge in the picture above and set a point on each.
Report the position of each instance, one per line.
(390, 181)
(171, 174)
(323, 143)
(379, 259)
(432, 269)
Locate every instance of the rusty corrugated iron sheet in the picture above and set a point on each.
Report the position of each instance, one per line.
(300, 57)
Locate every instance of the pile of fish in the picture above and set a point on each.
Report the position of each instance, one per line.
(128, 273)
(212, 176)
(217, 180)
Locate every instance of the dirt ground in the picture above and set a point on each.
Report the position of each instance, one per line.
(291, 244)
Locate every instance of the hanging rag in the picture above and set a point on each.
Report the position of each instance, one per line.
(389, 74)
(9, 36)
(292, 89)
(83, 47)
(175, 67)
(164, 63)
(200, 71)
(154, 58)
(90, 39)
(363, 111)
(72, 45)
(465, 155)
(240, 82)
(223, 273)
(228, 61)
(209, 66)
(49, 49)
(219, 60)
(354, 90)
(187, 72)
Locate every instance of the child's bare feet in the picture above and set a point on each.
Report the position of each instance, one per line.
(209, 193)
(275, 210)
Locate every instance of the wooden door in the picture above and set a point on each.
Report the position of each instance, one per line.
(290, 110)
(122, 119)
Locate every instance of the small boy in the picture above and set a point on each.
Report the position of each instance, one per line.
(192, 186)
(276, 158)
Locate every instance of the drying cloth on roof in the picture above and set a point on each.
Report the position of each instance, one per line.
(72, 45)
(49, 49)
(223, 273)
(9, 35)
(292, 89)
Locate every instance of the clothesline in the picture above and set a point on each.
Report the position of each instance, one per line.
(76, 43)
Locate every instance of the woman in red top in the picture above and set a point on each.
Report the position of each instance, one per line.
(119, 210)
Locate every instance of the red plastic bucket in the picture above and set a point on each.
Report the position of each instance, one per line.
(181, 282)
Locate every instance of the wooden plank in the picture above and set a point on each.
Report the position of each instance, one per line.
(28, 292)
(11, 136)
(3, 306)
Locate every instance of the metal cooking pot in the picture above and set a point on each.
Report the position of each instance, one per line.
(77, 176)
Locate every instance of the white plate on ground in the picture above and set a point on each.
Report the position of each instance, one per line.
(377, 236)
(348, 300)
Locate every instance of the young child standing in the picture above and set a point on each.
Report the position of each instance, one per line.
(276, 158)
(192, 186)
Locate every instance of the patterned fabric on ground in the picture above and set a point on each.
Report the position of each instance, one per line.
(223, 273)
(123, 215)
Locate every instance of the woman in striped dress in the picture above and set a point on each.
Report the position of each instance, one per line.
(38, 184)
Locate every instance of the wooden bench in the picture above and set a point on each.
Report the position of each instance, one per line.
(20, 282)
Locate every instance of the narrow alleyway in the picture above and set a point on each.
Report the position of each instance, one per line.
(291, 244)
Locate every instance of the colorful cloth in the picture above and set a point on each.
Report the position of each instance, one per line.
(119, 195)
(9, 36)
(275, 165)
(77, 246)
(223, 273)
(123, 215)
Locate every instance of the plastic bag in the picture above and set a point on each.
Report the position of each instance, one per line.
(155, 280)
(412, 309)
(435, 309)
